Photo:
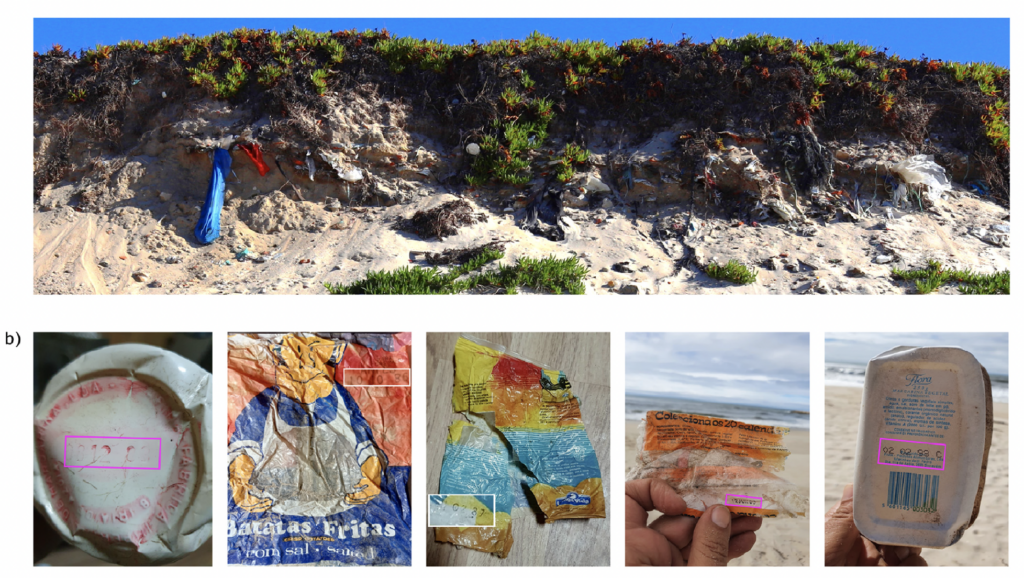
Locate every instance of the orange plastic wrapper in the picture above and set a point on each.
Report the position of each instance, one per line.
(710, 460)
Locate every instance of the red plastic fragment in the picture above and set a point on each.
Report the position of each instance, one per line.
(252, 150)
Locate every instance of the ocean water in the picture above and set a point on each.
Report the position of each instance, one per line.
(637, 407)
(850, 374)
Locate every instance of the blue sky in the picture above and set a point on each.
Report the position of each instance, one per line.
(991, 349)
(766, 369)
(963, 39)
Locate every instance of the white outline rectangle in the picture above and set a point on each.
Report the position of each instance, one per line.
(470, 526)
(409, 369)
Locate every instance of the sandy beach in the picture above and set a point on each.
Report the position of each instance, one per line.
(782, 542)
(986, 542)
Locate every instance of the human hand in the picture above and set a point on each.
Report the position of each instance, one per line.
(845, 546)
(679, 540)
(239, 474)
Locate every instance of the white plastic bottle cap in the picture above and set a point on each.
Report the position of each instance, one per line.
(122, 454)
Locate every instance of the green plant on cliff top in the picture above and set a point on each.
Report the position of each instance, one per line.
(233, 81)
(400, 53)
(511, 99)
(76, 95)
(189, 50)
(268, 74)
(160, 45)
(319, 79)
(986, 75)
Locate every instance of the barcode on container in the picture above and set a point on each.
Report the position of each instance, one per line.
(910, 491)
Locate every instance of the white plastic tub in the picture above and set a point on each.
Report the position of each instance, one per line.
(123, 454)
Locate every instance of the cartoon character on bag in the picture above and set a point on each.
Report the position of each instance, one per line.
(303, 446)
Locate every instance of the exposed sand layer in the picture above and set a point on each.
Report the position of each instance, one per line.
(986, 543)
(148, 247)
(124, 223)
(780, 542)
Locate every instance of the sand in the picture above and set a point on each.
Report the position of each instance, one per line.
(149, 248)
(986, 542)
(781, 542)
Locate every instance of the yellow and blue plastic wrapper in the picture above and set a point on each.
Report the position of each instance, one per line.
(525, 428)
(318, 455)
(476, 461)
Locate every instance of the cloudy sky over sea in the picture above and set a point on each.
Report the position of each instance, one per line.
(764, 369)
(991, 349)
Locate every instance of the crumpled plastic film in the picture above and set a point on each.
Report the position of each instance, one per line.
(476, 462)
(535, 411)
(122, 454)
(208, 226)
(922, 169)
(318, 470)
(710, 460)
(255, 154)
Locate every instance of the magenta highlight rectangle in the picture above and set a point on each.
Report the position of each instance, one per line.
(159, 452)
(881, 463)
(759, 506)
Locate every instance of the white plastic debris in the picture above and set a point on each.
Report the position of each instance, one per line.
(594, 184)
(310, 165)
(473, 148)
(899, 196)
(163, 94)
(353, 175)
(122, 454)
(922, 169)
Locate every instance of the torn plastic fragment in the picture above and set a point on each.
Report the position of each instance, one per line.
(476, 462)
(353, 175)
(710, 460)
(922, 169)
(255, 154)
(310, 165)
(594, 184)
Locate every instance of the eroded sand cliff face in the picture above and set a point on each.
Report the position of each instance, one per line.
(657, 200)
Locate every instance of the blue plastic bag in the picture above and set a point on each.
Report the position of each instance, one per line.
(208, 227)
